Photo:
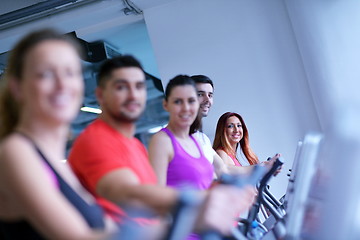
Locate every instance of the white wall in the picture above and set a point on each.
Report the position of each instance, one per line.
(249, 49)
(330, 47)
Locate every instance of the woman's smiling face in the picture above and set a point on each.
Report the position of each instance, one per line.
(234, 130)
(52, 83)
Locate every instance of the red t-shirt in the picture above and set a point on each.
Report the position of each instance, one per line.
(100, 149)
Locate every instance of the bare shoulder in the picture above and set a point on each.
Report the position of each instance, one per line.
(225, 157)
(160, 148)
(159, 136)
(19, 163)
(221, 152)
(13, 147)
(17, 154)
(160, 139)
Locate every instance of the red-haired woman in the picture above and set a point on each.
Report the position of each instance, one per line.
(231, 132)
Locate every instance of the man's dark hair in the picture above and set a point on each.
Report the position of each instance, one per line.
(117, 62)
(202, 79)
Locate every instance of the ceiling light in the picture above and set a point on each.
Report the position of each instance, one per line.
(156, 129)
(91, 110)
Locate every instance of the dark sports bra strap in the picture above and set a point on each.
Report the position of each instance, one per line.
(38, 151)
(93, 214)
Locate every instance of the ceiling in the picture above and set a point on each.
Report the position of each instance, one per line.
(12, 5)
(91, 15)
(92, 20)
(109, 21)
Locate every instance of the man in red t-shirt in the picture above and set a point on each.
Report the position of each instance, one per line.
(113, 165)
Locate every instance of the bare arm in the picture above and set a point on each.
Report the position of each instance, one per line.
(160, 154)
(219, 165)
(224, 164)
(123, 187)
(25, 182)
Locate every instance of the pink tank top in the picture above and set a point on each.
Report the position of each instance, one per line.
(185, 170)
(51, 175)
(236, 162)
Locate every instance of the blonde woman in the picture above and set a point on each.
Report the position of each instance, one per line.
(40, 198)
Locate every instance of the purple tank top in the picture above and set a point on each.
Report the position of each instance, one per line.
(187, 171)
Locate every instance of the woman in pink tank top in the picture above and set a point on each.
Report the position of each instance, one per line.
(231, 132)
